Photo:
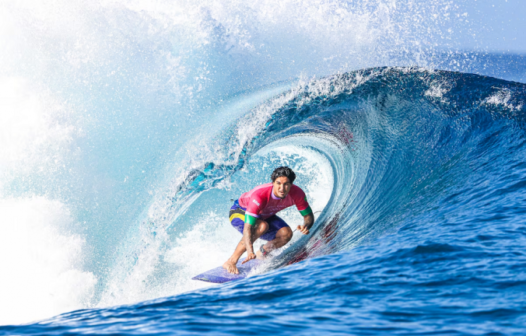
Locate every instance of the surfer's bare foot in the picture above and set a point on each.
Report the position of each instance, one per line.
(230, 267)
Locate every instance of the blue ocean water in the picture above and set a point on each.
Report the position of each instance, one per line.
(135, 126)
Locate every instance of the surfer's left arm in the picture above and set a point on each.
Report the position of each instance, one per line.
(300, 199)
(308, 222)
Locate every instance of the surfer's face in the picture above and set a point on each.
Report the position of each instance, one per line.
(281, 187)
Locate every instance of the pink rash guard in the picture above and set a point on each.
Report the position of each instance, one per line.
(261, 202)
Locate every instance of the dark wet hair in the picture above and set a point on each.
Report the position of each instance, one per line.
(283, 171)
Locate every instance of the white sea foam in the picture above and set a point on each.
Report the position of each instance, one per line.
(437, 90)
(41, 260)
(503, 98)
(34, 128)
(41, 264)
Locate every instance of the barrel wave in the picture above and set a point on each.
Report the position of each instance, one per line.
(400, 142)
(417, 179)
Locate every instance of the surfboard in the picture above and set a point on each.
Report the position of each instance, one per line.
(220, 275)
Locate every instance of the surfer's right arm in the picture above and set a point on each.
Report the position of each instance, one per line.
(251, 216)
(248, 233)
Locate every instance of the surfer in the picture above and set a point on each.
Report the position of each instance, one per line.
(254, 216)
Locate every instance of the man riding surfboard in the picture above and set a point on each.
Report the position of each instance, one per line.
(254, 216)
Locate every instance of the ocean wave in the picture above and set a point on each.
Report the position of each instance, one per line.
(392, 151)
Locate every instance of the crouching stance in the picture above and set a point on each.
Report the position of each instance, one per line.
(254, 216)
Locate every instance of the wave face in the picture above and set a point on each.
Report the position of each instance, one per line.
(418, 180)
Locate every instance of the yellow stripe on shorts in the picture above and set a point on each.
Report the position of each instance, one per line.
(236, 215)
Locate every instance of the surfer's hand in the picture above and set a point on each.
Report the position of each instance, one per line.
(250, 256)
(303, 229)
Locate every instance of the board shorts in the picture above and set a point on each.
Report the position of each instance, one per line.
(237, 219)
